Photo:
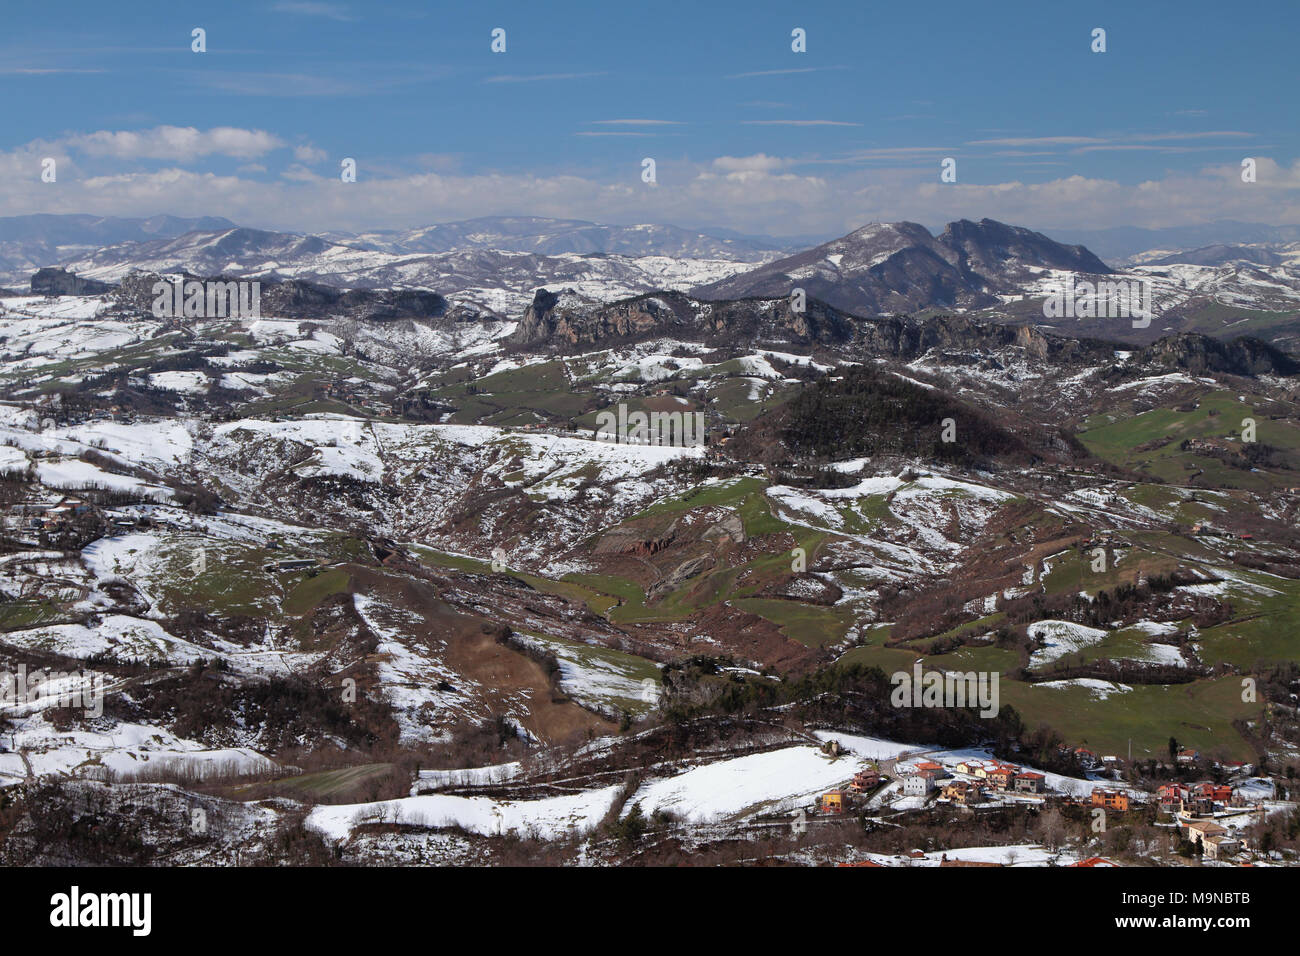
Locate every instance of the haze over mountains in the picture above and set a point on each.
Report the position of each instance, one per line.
(551, 237)
(1120, 243)
(492, 267)
(29, 242)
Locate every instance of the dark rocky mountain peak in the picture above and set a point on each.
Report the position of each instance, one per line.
(900, 267)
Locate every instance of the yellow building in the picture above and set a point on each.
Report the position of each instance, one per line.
(833, 801)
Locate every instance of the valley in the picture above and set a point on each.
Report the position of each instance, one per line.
(361, 571)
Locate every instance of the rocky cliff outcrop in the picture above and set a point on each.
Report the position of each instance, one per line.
(298, 299)
(1199, 354)
(57, 281)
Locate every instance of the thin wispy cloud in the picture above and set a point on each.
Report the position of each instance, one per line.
(636, 122)
(1207, 134)
(797, 123)
(1037, 141)
(1104, 141)
(280, 84)
(43, 71)
(879, 154)
(542, 77)
(307, 8)
(356, 79)
(1152, 148)
(786, 72)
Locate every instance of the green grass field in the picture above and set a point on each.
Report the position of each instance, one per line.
(1199, 715)
(808, 624)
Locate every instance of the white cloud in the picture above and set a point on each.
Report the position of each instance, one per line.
(176, 143)
(758, 193)
(309, 154)
(758, 162)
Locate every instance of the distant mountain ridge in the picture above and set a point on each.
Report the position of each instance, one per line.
(492, 280)
(1219, 254)
(29, 243)
(492, 268)
(558, 236)
(76, 229)
(900, 267)
(1121, 243)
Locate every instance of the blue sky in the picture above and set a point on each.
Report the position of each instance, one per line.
(745, 133)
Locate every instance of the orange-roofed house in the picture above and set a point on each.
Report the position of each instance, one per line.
(1002, 777)
(865, 780)
(1221, 793)
(1110, 799)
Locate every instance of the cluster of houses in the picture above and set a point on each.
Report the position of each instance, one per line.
(1198, 798)
(981, 779)
(355, 394)
(47, 514)
(1197, 808)
(1204, 798)
(1194, 807)
(56, 516)
(987, 776)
